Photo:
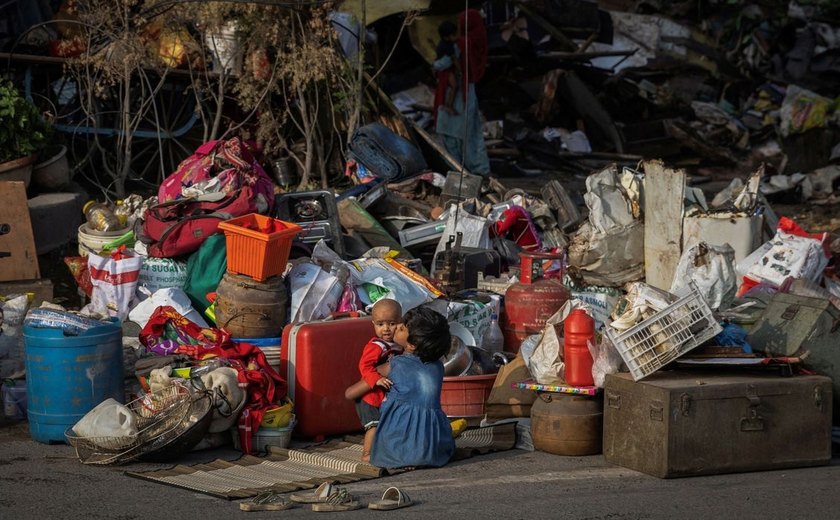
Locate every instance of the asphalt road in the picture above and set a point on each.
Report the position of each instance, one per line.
(48, 482)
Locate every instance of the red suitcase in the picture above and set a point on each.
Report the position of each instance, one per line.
(319, 361)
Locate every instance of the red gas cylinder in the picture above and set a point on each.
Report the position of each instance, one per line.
(579, 329)
(532, 300)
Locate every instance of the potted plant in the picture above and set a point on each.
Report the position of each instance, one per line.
(22, 133)
(52, 171)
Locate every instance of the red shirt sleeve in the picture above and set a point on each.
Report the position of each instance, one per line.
(368, 363)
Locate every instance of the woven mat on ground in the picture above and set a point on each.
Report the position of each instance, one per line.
(286, 470)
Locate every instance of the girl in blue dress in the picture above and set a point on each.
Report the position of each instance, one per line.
(413, 430)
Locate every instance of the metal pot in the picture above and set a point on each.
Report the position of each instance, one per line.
(459, 359)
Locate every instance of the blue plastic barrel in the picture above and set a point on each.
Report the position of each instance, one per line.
(67, 376)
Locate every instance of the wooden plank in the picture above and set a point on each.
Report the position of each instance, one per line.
(557, 34)
(664, 191)
(18, 260)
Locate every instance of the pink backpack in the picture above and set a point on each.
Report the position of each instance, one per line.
(219, 167)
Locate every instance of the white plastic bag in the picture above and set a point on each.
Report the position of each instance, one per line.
(528, 346)
(473, 315)
(315, 292)
(608, 249)
(475, 230)
(789, 256)
(546, 362)
(114, 281)
(712, 268)
(173, 297)
(605, 360)
(109, 419)
(393, 283)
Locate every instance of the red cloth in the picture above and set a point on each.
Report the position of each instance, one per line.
(473, 45)
(375, 353)
(515, 224)
(440, 90)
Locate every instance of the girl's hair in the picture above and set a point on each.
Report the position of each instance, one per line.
(447, 29)
(428, 331)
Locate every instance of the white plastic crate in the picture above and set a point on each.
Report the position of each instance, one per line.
(267, 437)
(653, 343)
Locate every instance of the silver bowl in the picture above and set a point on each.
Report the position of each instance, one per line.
(459, 359)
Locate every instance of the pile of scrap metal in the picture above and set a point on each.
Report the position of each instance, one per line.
(574, 85)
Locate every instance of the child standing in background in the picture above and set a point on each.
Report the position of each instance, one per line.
(370, 391)
(413, 429)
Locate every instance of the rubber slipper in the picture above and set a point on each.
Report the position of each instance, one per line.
(392, 498)
(321, 494)
(339, 500)
(268, 501)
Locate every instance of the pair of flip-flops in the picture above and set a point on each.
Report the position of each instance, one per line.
(327, 497)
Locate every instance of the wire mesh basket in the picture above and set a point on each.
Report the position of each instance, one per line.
(158, 415)
(666, 335)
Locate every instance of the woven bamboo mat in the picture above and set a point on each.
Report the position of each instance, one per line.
(285, 470)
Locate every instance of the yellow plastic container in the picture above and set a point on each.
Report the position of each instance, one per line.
(278, 417)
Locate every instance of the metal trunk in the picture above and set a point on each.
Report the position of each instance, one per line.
(681, 424)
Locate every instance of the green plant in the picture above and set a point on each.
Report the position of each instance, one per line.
(22, 129)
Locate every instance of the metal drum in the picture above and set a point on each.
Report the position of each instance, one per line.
(567, 424)
(247, 308)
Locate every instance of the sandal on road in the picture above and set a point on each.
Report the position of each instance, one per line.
(393, 498)
(339, 500)
(268, 501)
(321, 494)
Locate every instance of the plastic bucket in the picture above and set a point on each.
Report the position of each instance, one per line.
(67, 376)
(269, 346)
(466, 396)
(92, 241)
(265, 438)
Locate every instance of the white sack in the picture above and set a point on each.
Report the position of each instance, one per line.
(174, 297)
(114, 283)
(608, 250)
(315, 292)
(712, 268)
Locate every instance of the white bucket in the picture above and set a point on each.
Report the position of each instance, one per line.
(92, 241)
(225, 49)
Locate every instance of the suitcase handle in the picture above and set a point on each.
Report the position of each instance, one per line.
(342, 315)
